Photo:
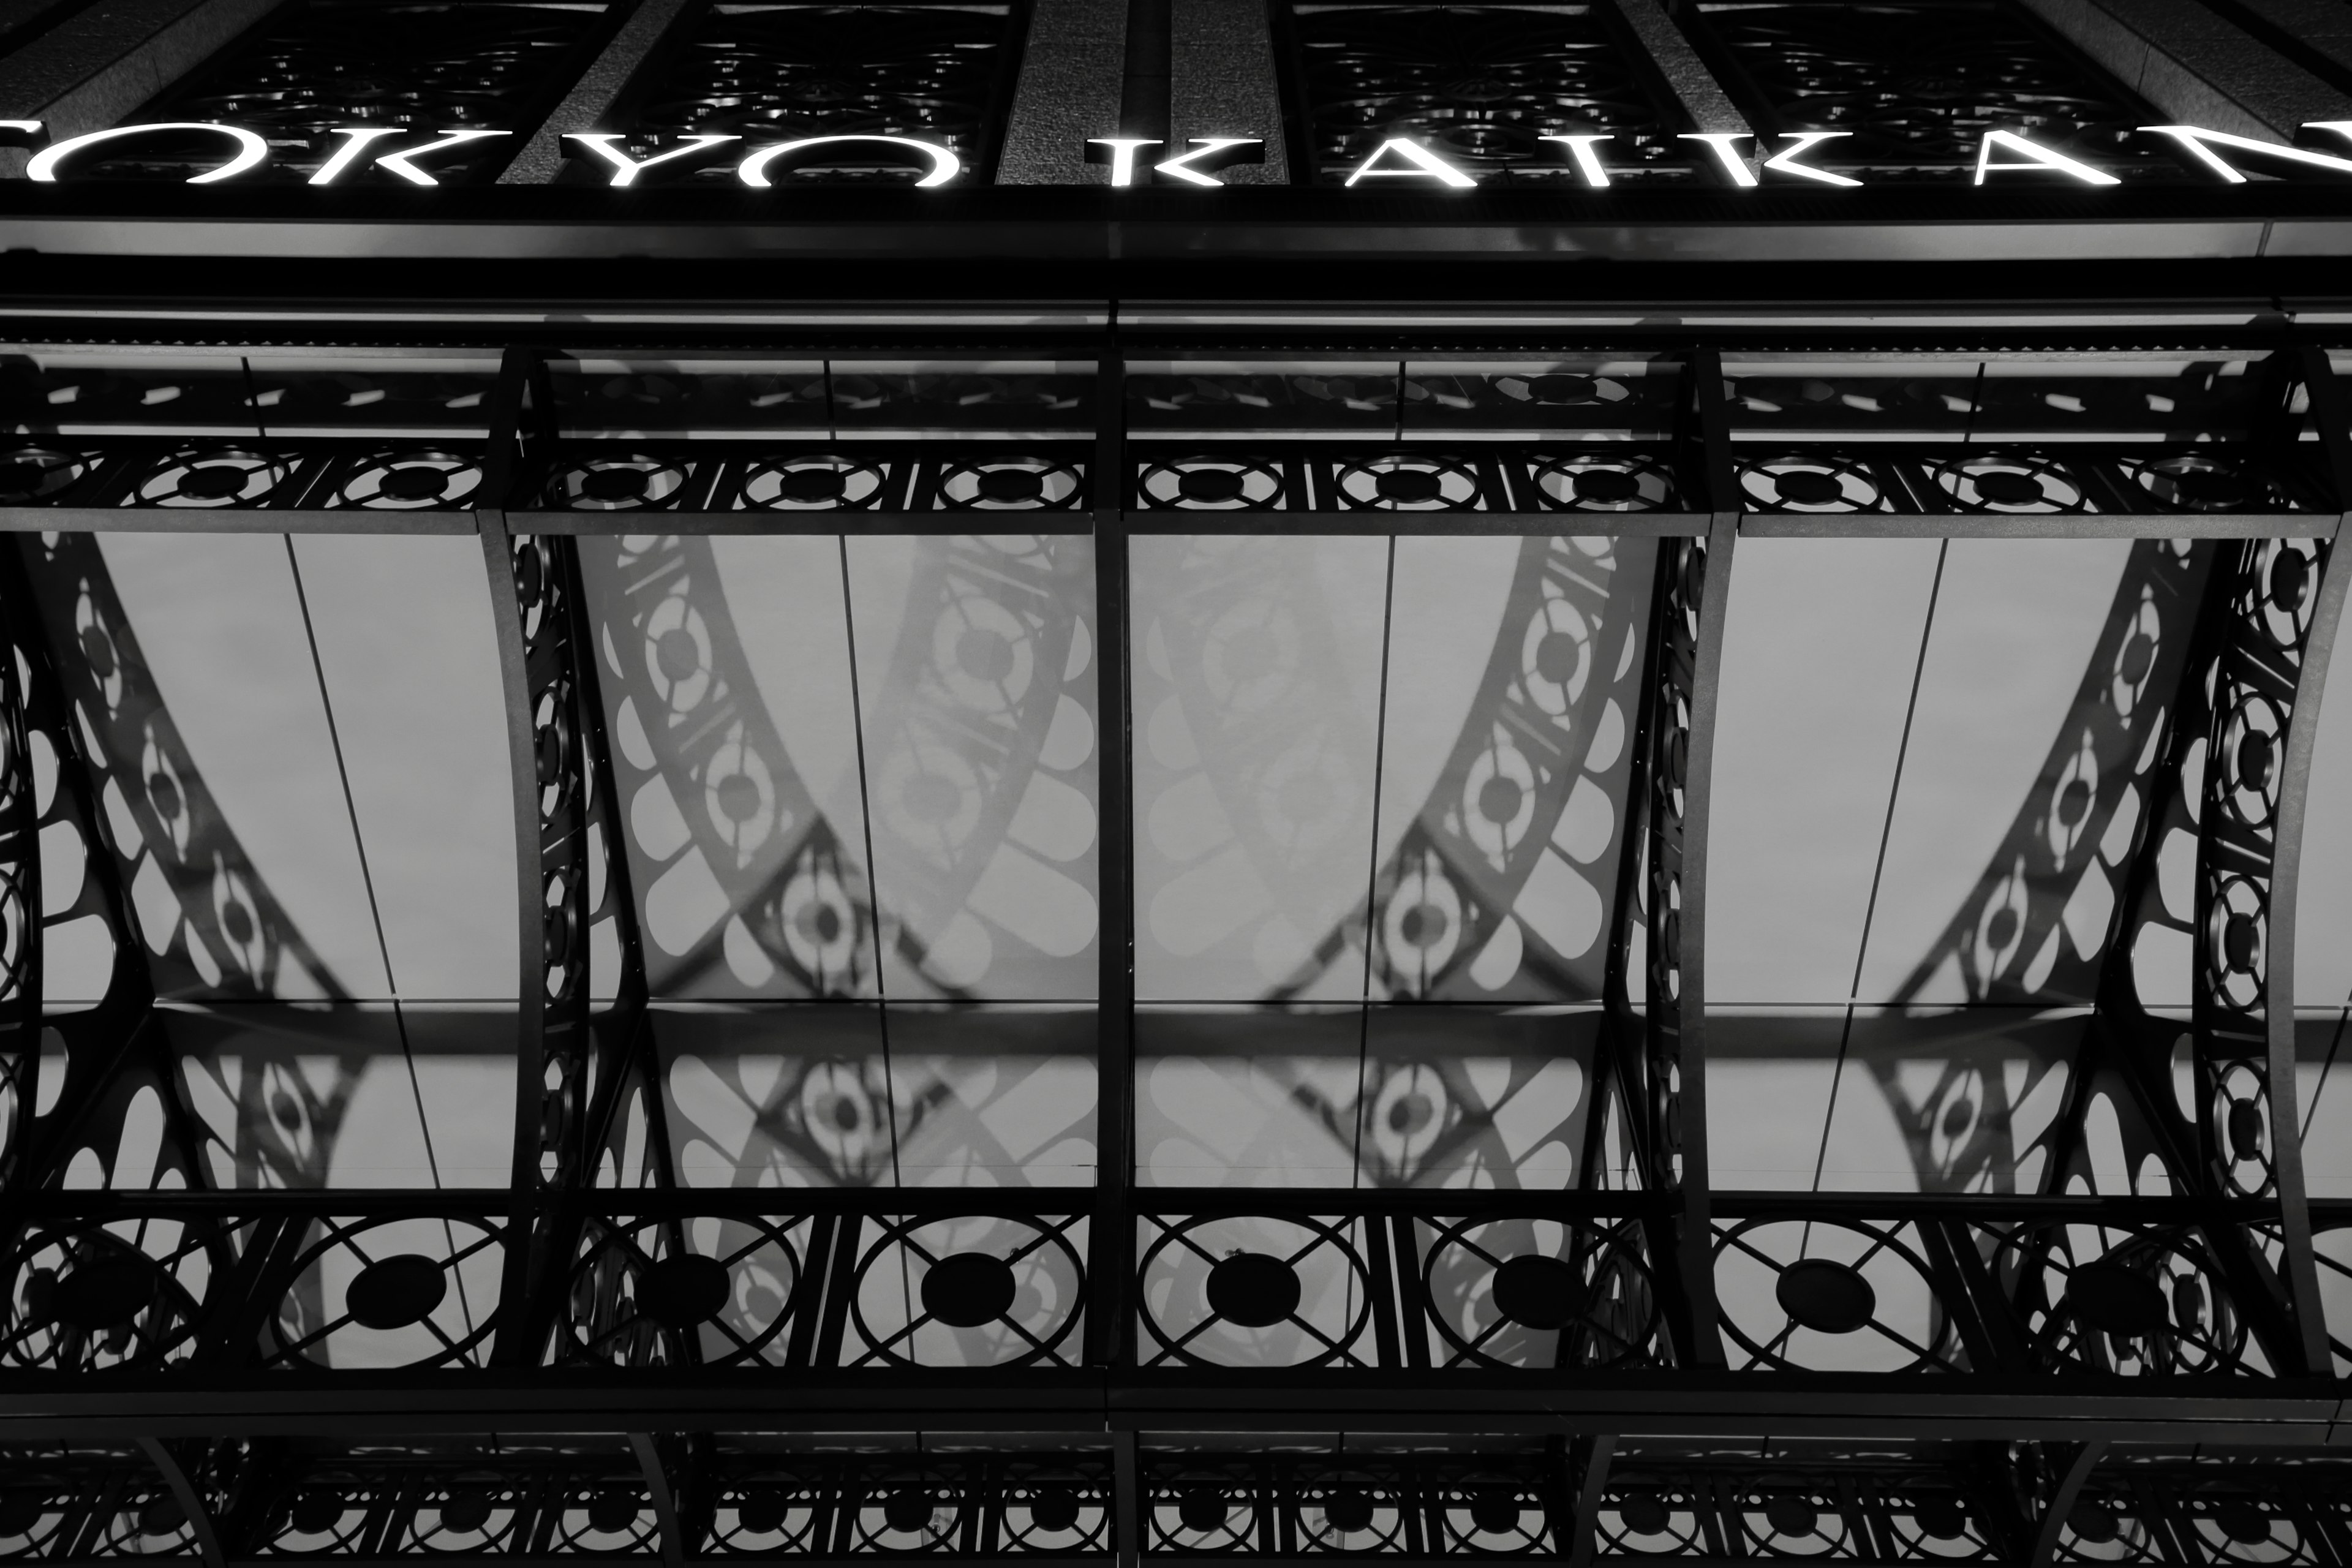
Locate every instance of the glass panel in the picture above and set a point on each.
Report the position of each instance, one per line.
(296, 394)
(1446, 1096)
(63, 393)
(1771, 1073)
(1512, 685)
(975, 673)
(1587, 398)
(2324, 1082)
(777, 1097)
(2323, 908)
(349, 1097)
(995, 1096)
(610, 398)
(1475, 1097)
(1247, 1097)
(190, 660)
(1811, 718)
(727, 689)
(1479, 85)
(2016, 636)
(856, 1095)
(1256, 677)
(1255, 399)
(936, 73)
(404, 636)
(1960, 1101)
(1947, 72)
(483, 65)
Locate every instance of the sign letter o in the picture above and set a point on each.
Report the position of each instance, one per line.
(252, 152)
(945, 164)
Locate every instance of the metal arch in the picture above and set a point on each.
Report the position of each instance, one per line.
(2332, 417)
(1675, 778)
(20, 898)
(531, 600)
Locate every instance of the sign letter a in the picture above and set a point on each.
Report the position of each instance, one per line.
(2036, 156)
(1421, 164)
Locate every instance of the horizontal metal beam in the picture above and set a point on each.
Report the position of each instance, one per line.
(2311, 1416)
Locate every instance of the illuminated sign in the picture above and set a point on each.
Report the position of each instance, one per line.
(1736, 156)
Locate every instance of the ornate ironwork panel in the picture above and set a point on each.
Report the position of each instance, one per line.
(1480, 85)
(833, 1287)
(782, 72)
(311, 68)
(1319, 1286)
(1915, 84)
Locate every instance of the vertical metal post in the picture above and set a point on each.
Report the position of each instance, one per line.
(1695, 583)
(1111, 1234)
(1127, 1500)
(1588, 1473)
(663, 1497)
(183, 1491)
(2062, 1501)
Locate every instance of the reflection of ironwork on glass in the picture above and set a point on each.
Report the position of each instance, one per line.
(785, 72)
(311, 68)
(1919, 82)
(1480, 85)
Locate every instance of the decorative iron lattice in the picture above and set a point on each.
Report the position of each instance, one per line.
(937, 73)
(1916, 84)
(1701, 1508)
(1351, 1506)
(944, 1505)
(1479, 84)
(487, 64)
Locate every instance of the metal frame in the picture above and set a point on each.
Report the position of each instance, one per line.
(2017, 1406)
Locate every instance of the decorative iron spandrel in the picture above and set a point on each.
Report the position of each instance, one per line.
(785, 72)
(1480, 85)
(307, 68)
(1917, 83)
